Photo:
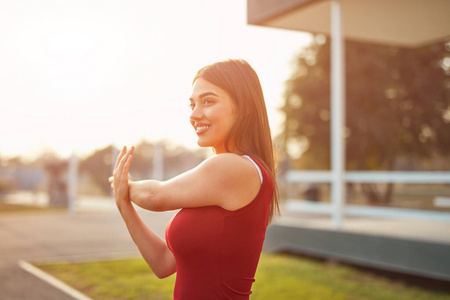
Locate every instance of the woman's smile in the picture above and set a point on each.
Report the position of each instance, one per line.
(201, 129)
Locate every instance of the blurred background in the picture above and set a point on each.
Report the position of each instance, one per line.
(80, 79)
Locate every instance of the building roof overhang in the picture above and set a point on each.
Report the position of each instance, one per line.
(408, 23)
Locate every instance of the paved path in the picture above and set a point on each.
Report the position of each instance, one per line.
(60, 236)
(411, 229)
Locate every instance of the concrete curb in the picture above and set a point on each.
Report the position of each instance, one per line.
(52, 281)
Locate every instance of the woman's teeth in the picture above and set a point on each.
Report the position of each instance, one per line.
(201, 129)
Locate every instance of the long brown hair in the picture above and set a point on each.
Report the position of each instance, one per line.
(251, 131)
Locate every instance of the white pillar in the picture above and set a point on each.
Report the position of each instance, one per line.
(337, 115)
(72, 180)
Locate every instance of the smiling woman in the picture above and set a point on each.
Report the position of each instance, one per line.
(226, 203)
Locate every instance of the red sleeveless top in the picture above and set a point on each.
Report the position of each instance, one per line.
(217, 250)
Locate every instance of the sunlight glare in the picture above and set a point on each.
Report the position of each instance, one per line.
(78, 75)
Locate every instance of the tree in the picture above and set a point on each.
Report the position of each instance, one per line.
(98, 166)
(397, 107)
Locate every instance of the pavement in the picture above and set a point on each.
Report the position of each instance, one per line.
(89, 234)
(417, 228)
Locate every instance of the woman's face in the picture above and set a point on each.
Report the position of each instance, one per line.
(213, 114)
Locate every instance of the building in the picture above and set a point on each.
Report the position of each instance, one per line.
(401, 240)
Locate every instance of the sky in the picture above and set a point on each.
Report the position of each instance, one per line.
(78, 75)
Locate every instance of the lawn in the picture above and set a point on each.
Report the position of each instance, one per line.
(277, 277)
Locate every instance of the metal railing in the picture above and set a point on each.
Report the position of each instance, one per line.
(413, 177)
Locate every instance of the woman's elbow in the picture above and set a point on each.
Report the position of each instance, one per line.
(144, 196)
(147, 201)
(164, 273)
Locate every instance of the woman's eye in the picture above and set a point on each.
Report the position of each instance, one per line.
(205, 102)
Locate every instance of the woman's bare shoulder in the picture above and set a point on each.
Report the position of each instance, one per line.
(229, 163)
(236, 175)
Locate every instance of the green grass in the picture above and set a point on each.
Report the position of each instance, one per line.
(115, 279)
(277, 277)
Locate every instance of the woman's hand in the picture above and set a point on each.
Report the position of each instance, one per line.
(120, 181)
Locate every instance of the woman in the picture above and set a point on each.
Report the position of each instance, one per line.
(215, 240)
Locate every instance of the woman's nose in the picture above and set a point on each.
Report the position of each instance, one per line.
(196, 113)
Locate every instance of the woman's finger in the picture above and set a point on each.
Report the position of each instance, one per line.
(125, 171)
(120, 156)
(121, 171)
(126, 163)
(120, 177)
(124, 159)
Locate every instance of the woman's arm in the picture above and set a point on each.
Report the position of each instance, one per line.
(153, 248)
(227, 180)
